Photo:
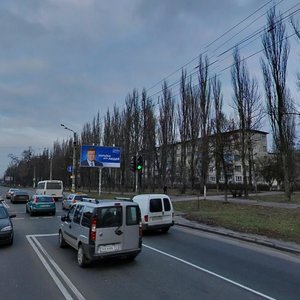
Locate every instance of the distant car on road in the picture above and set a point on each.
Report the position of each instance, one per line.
(72, 199)
(10, 192)
(41, 204)
(6, 226)
(19, 196)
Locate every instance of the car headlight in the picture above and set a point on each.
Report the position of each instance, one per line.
(6, 228)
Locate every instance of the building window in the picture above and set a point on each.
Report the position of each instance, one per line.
(237, 157)
(238, 168)
(238, 178)
(212, 179)
(211, 169)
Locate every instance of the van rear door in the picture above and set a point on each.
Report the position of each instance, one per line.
(155, 211)
(132, 227)
(168, 211)
(110, 230)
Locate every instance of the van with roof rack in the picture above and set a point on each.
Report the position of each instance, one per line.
(100, 229)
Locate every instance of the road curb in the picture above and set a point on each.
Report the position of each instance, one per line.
(243, 237)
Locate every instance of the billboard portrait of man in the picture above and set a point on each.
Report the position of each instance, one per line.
(90, 160)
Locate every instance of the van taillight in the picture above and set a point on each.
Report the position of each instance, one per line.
(93, 230)
(140, 228)
(74, 201)
(146, 218)
(35, 200)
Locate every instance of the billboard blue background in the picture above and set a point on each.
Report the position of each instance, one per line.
(108, 156)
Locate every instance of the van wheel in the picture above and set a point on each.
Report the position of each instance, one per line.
(131, 257)
(165, 230)
(82, 260)
(61, 241)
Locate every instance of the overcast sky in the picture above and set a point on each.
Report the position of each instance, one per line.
(62, 61)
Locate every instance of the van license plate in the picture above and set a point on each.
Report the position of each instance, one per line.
(109, 248)
(158, 218)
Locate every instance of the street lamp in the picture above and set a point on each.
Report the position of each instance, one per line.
(74, 157)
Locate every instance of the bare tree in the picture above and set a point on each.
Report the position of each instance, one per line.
(279, 102)
(205, 118)
(246, 102)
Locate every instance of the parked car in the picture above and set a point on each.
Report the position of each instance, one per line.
(99, 229)
(10, 192)
(157, 211)
(19, 196)
(6, 226)
(41, 204)
(72, 199)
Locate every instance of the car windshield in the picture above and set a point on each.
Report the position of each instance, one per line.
(3, 213)
(44, 199)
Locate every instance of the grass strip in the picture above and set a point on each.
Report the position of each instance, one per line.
(276, 223)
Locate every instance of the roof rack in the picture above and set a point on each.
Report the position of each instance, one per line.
(123, 199)
(91, 200)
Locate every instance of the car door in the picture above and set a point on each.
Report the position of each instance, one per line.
(76, 229)
(67, 227)
(132, 228)
(110, 229)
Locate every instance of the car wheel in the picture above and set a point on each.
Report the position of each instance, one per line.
(62, 207)
(11, 200)
(81, 257)
(31, 213)
(61, 241)
(27, 209)
(11, 241)
(165, 230)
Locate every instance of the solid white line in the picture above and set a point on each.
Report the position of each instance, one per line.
(50, 271)
(43, 234)
(5, 204)
(211, 273)
(59, 270)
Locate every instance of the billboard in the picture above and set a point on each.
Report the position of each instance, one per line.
(100, 156)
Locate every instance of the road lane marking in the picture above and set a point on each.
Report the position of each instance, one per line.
(5, 204)
(210, 272)
(50, 271)
(36, 244)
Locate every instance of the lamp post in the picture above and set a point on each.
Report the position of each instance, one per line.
(74, 157)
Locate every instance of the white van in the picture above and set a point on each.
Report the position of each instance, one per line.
(53, 188)
(156, 210)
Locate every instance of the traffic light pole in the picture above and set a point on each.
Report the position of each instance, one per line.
(136, 181)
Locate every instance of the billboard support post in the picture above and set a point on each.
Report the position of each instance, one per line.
(74, 164)
(100, 182)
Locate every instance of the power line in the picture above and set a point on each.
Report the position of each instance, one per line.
(207, 46)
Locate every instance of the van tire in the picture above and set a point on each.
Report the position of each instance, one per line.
(131, 257)
(61, 241)
(165, 230)
(82, 260)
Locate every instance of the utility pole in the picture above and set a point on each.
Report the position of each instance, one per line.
(73, 189)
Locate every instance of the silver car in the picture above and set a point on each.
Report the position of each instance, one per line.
(98, 229)
(72, 199)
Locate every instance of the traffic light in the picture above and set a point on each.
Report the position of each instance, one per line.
(139, 166)
(133, 164)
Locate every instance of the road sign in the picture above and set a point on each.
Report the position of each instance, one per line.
(69, 169)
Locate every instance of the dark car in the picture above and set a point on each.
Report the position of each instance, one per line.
(41, 204)
(10, 192)
(6, 226)
(19, 196)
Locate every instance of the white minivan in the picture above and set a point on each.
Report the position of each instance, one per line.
(53, 188)
(156, 210)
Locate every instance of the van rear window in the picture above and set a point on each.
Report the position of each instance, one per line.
(53, 186)
(132, 215)
(167, 204)
(155, 205)
(109, 217)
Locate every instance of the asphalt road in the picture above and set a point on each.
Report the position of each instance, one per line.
(183, 264)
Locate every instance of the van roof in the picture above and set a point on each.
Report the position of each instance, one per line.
(104, 202)
(152, 195)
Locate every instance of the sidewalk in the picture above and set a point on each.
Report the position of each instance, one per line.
(253, 238)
